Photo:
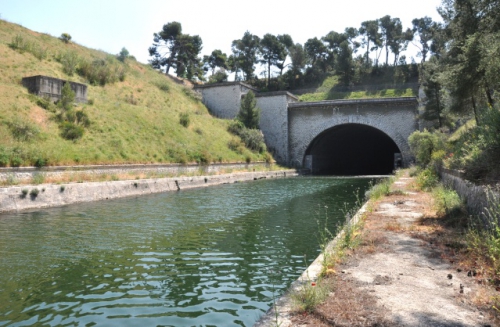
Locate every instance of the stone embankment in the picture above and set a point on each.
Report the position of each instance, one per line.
(17, 198)
(26, 174)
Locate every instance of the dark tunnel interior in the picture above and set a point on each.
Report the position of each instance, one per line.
(352, 149)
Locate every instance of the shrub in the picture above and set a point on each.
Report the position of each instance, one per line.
(446, 201)
(23, 130)
(423, 144)
(477, 152)
(235, 127)
(21, 45)
(24, 192)
(18, 43)
(123, 55)
(71, 131)
(69, 61)
(65, 37)
(67, 97)
(82, 118)
(310, 295)
(184, 119)
(162, 85)
(40, 162)
(16, 161)
(380, 189)
(4, 157)
(34, 193)
(427, 179)
(253, 139)
(235, 145)
(45, 103)
(101, 71)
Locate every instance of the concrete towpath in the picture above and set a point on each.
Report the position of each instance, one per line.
(399, 276)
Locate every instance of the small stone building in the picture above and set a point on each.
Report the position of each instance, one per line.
(45, 86)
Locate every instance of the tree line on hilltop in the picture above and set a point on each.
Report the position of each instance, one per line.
(295, 64)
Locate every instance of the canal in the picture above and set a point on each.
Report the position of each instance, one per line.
(205, 257)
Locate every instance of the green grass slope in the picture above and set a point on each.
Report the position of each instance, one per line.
(371, 86)
(136, 120)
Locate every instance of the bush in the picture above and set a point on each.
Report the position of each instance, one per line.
(427, 179)
(65, 37)
(446, 201)
(162, 85)
(253, 139)
(71, 131)
(236, 145)
(23, 130)
(40, 162)
(380, 189)
(16, 161)
(123, 55)
(82, 118)
(34, 193)
(21, 45)
(4, 157)
(45, 103)
(235, 127)
(102, 71)
(477, 152)
(69, 61)
(423, 144)
(184, 119)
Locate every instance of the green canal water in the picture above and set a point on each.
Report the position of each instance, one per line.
(206, 257)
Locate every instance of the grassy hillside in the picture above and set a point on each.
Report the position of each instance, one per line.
(379, 84)
(135, 119)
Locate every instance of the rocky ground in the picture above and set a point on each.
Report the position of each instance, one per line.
(404, 273)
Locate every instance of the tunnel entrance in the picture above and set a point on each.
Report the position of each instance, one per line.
(352, 149)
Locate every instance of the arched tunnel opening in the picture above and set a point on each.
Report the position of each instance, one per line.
(352, 149)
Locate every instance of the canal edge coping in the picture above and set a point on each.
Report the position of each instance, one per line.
(26, 197)
(284, 303)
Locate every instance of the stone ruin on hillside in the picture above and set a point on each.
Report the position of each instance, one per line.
(50, 87)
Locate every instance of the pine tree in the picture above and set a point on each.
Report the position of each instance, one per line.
(249, 114)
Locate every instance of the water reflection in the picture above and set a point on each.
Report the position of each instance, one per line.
(207, 257)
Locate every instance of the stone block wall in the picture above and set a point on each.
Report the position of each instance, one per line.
(396, 117)
(475, 196)
(274, 122)
(224, 99)
(26, 174)
(51, 87)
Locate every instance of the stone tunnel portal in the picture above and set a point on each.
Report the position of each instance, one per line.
(352, 149)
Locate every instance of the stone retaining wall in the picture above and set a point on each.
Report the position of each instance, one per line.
(475, 196)
(26, 174)
(51, 195)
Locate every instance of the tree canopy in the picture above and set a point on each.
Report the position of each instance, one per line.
(173, 49)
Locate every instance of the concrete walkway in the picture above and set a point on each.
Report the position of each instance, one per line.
(397, 276)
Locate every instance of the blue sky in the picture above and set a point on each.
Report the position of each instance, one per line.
(110, 25)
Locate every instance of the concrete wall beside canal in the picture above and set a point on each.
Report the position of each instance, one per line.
(25, 197)
(475, 196)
